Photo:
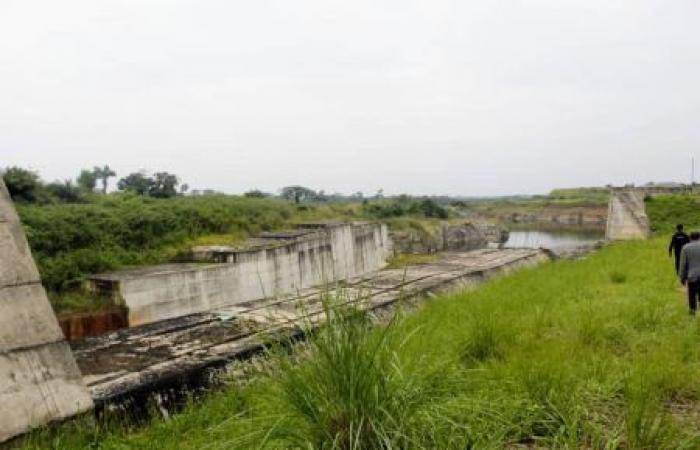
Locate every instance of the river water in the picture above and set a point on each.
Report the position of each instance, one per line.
(553, 240)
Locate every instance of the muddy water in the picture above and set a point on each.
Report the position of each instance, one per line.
(553, 240)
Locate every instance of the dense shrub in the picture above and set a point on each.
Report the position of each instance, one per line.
(404, 206)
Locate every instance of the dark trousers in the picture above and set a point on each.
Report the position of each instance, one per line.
(693, 294)
(677, 256)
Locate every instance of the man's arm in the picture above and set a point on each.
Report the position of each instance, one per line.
(683, 274)
(670, 247)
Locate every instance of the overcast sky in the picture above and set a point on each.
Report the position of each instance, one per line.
(424, 97)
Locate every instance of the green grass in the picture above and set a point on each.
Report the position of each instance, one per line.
(596, 353)
(666, 211)
(409, 259)
(78, 302)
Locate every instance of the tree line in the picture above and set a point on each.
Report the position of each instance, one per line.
(26, 186)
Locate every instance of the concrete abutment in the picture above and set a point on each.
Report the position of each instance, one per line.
(39, 379)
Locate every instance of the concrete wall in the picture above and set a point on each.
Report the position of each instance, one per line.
(572, 217)
(627, 217)
(327, 253)
(39, 380)
(459, 237)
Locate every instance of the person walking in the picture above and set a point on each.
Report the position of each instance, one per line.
(690, 270)
(678, 241)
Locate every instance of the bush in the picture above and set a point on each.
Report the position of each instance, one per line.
(404, 206)
(23, 185)
(351, 392)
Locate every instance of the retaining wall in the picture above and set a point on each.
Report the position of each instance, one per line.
(461, 237)
(318, 254)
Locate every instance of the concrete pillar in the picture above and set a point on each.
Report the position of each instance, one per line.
(627, 217)
(39, 379)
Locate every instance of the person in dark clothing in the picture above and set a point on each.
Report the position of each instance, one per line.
(690, 270)
(678, 241)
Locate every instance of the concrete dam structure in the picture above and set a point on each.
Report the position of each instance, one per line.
(273, 265)
(627, 218)
(155, 356)
(39, 378)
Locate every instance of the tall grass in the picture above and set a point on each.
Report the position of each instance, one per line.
(350, 392)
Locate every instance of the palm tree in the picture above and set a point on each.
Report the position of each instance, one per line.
(104, 174)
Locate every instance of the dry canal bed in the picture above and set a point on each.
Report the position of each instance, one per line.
(158, 355)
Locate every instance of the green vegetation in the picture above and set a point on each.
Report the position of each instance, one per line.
(409, 259)
(405, 206)
(501, 207)
(595, 353)
(666, 211)
(588, 196)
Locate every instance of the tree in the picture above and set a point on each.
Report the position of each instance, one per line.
(164, 185)
(429, 208)
(298, 194)
(104, 174)
(65, 191)
(255, 193)
(321, 196)
(23, 185)
(87, 180)
(137, 182)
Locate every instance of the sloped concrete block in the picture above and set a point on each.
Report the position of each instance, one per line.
(39, 380)
(25, 322)
(39, 385)
(16, 263)
(627, 217)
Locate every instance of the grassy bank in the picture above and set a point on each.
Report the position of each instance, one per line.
(563, 199)
(666, 211)
(596, 353)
